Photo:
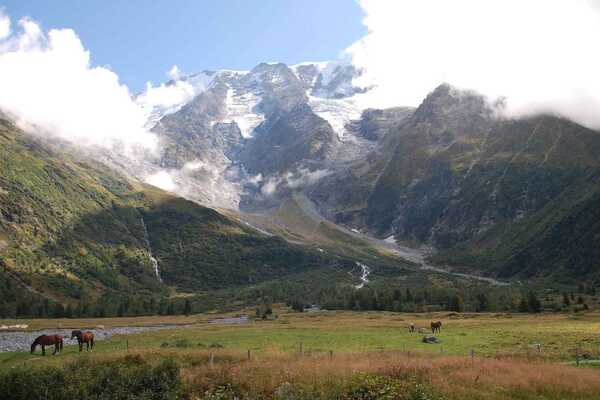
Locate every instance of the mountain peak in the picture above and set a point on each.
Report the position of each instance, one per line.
(448, 101)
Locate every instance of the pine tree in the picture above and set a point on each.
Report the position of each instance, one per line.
(523, 305)
(170, 308)
(298, 306)
(100, 311)
(483, 303)
(121, 310)
(566, 300)
(59, 311)
(534, 303)
(457, 303)
(187, 307)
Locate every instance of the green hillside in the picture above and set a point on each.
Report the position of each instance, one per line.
(75, 233)
(512, 197)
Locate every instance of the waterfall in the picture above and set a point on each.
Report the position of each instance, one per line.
(153, 260)
(364, 275)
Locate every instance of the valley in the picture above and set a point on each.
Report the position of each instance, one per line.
(276, 181)
(484, 355)
(300, 200)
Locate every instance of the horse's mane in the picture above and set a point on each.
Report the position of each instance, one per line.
(37, 339)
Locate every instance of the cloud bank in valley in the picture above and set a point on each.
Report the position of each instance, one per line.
(541, 55)
(47, 81)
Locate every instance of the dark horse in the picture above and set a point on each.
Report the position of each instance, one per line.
(48, 340)
(436, 326)
(84, 337)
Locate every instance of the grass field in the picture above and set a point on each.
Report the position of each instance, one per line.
(343, 344)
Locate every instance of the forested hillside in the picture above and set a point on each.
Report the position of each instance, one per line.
(77, 237)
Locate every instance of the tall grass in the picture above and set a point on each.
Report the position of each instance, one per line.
(222, 374)
(379, 375)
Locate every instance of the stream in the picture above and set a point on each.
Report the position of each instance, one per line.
(415, 255)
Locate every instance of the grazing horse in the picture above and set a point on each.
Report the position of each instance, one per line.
(411, 327)
(48, 340)
(436, 326)
(84, 337)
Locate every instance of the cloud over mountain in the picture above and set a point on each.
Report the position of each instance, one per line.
(541, 55)
(48, 81)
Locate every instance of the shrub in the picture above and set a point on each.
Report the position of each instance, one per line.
(370, 387)
(128, 378)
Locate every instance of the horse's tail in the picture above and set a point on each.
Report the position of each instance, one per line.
(92, 342)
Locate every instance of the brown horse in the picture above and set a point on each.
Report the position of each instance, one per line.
(48, 340)
(84, 337)
(436, 326)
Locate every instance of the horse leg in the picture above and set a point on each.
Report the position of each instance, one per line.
(55, 349)
(43, 350)
(80, 347)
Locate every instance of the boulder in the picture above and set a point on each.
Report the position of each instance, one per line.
(430, 339)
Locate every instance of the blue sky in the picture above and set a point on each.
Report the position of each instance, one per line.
(140, 40)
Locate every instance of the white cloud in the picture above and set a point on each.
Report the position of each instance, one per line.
(270, 186)
(162, 180)
(157, 101)
(4, 25)
(174, 73)
(47, 81)
(542, 55)
(301, 177)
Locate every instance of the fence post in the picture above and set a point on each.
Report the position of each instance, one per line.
(127, 344)
(301, 349)
(472, 354)
(249, 356)
(330, 354)
(211, 358)
(577, 355)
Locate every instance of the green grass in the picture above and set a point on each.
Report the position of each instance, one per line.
(351, 332)
(368, 348)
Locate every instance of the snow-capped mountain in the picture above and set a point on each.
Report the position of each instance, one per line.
(241, 137)
(327, 86)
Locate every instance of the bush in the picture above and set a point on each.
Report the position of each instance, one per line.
(369, 387)
(128, 378)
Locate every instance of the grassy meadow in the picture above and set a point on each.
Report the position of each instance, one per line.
(326, 354)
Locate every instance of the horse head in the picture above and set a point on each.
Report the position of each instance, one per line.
(75, 334)
(35, 343)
